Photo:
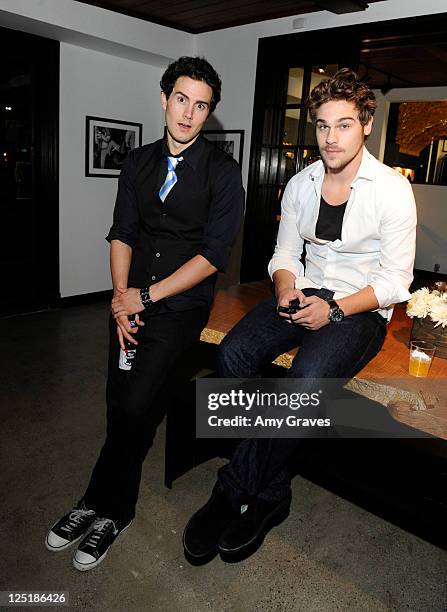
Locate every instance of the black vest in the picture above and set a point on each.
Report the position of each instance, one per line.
(171, 232)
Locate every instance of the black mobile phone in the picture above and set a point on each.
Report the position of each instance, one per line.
(292, 308)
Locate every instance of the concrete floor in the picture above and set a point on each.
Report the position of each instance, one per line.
(329, 555)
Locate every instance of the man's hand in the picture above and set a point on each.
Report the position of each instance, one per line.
(313, 314)
(125, 331)
(284, 296)
(123, 328)
(127, 302)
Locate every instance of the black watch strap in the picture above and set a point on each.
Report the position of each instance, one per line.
(145, 296)
(336, 314)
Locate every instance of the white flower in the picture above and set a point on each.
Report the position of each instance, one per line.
(425, 303)
(438, 311)
(420, 303)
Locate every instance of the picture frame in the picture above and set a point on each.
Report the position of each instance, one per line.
(107, 144)
(230, 141)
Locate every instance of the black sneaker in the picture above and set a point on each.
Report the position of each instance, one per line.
(69, 528)
(95, 546)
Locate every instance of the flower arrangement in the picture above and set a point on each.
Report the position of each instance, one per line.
(428, 309)
(425, 303)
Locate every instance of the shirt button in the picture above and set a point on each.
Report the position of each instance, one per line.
(153, 277)
(157, 254)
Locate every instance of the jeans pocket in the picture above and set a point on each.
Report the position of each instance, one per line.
(325, 294)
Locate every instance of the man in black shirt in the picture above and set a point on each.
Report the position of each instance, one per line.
(179, 207)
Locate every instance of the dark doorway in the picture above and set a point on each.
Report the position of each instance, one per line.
(29, 121)
(283, 139)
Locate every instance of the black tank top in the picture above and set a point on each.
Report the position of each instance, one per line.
(330, 221)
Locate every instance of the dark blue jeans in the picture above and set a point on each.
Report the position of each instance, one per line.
(338, 350)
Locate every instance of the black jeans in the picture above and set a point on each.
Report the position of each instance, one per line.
(133, 410)
(338, 350)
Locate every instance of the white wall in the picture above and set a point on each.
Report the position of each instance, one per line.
(94, 28)
(432, 227)
(95, 84)
(430, 199)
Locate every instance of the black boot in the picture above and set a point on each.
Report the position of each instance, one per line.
(246, 533)
(206, 526)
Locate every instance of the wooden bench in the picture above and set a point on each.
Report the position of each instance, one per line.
(385, 379)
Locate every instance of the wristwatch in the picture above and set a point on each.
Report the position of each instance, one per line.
(336, 314)
(145, 296)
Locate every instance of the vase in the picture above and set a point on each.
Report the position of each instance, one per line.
(424, 329)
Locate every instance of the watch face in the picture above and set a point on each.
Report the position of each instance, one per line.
(336, 315)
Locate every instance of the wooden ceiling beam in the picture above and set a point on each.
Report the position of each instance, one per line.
(437, 53)
(389, 43)
(340, 7)
(195, 16)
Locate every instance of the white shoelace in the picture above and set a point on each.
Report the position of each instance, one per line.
(98, 529)
(75, 518)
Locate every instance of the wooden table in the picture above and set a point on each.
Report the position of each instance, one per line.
(419, 402)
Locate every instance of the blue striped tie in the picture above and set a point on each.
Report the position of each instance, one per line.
(171, 178)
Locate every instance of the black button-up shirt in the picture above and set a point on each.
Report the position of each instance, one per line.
(201, 215)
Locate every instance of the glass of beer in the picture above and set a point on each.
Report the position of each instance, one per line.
(421, 355)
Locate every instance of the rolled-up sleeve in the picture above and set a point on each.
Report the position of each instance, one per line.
(289, 243)
(225, 217)
(125, 214)
(398, 246)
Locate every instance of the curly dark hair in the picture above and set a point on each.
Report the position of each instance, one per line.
(196, 68)
(344, 85)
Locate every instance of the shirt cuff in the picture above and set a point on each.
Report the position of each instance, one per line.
(280, 263)
(217, 253)
(122, 237)
(388, 296)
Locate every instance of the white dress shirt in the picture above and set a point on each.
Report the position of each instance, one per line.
(378, 238)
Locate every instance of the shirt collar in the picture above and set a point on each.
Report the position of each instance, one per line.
(366, 169)
(191, 154)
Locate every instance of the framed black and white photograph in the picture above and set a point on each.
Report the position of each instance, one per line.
(230, 141)
(107, 143)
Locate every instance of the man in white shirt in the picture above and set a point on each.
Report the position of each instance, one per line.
(357, 221)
